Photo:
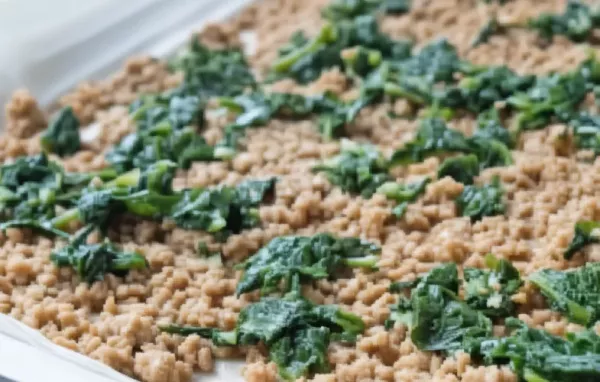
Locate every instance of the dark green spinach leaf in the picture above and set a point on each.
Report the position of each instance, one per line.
(477, 202)
(62, 135)
(575, 292)
(287, 261)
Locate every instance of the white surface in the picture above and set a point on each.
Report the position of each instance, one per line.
(48, 47)
(21, 347)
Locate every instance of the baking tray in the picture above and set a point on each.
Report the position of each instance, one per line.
(25, 354)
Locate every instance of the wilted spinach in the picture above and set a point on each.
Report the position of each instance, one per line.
(339, 10)
(462, 168)
(287, 261)
(577, 22)
(586, 130)
(31, 189)
(304, 60)
(490, 290)
(403, 194)
(433, 138)
(480, 90)
(575, 292)
(93, 261)
(477, 202)
(62, 135)
(213, 72)
(359, 169)
(166, 122)
(490, 127)
(295, 332)
(222, 209)
(586, 232)
(555, 96)
(437, 319)
(538, 356)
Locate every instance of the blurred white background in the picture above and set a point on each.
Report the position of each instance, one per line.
(48, 46)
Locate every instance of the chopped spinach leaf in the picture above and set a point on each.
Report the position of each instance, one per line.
(433, 138)
(489, 29)
(555, 96)
(586, 130)
(490, 127)
(403, 194)
(295, 332)
(538, 356)
(490, 152)
(222, 209)
(289, 260)
(339, 10)
(166, 122)
(477, 202)
(309, 58)
(575, 292)
(256, 109)
(62, 135)
(359, 169)
(93, 261)
(213, 72)
(437, 319)
(435, 62)
(462, 168)
(577, 22)
(490, 291)
(480, 90)
(586, 232)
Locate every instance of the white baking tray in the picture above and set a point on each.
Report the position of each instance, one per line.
(48, 47)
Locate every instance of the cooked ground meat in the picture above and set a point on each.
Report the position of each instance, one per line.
(115, 320)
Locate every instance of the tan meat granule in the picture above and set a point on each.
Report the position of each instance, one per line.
(160, 366)
(140, 75)
(23, 117)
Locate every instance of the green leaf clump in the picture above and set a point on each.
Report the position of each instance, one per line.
(477, 202)
(92, 261)
(490, 127)
(222, 209)
(305, 59)
(33, 188)
(438, 320)
(295, 332)
(462, 168)
(577, 22)
(538, 356)
(288, 261)
(575, 292)
(435, 138)
(213, 72)
(339, 10)
(166, 123)
(586, 232)
(403, 194)
(490, 290)
(480, 90)
(258, 108)
(586, 130)
(555, 96)
(358, 169)
(62, 135)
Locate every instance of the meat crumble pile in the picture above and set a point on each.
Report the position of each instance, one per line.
(388, 155)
